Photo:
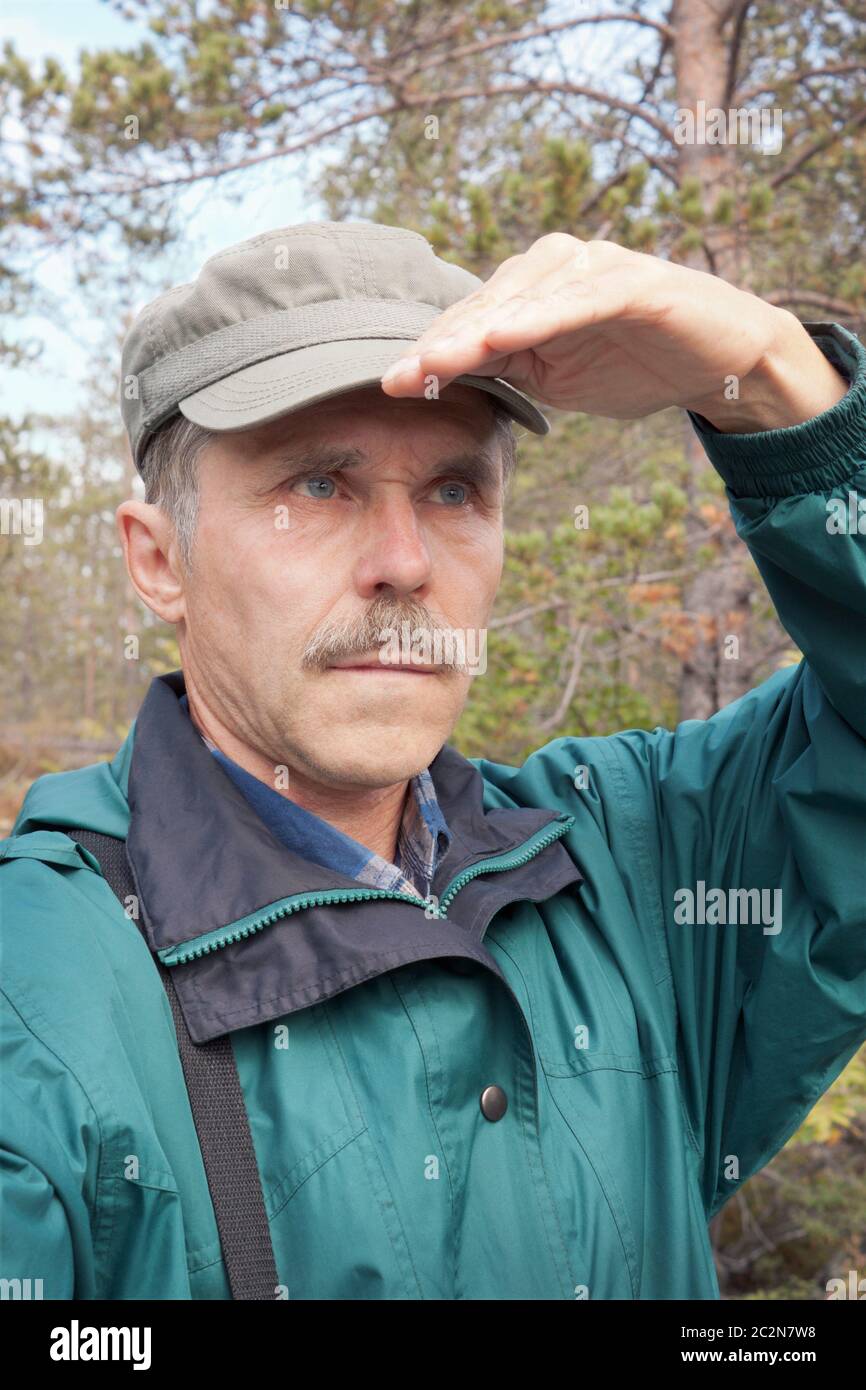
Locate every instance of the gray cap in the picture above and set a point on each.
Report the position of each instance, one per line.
(286, 319)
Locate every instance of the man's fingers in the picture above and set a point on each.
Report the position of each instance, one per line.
(560, 286)
(415, 375)
(556, 255)
(529, 323)
(525, 321)
(488, 347)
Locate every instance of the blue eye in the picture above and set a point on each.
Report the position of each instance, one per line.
(453, 493)
(320, 487)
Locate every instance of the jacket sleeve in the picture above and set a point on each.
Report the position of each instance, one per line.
(45, 1234)
(768, 799)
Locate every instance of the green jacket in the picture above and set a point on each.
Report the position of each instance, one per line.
(658, 1034)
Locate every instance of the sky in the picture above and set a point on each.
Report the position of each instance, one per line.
(57, 384)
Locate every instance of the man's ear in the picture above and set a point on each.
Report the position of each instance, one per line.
(152, 558)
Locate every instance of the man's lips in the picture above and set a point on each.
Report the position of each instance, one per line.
(389, 668)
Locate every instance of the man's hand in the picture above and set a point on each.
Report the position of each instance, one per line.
(593, 327)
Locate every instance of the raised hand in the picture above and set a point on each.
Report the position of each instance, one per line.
(591, 326)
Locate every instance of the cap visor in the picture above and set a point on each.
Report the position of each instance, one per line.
(265, 391)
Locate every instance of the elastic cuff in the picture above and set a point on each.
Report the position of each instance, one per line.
(815, 456)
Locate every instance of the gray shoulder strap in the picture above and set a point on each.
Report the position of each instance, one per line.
(220, 1117)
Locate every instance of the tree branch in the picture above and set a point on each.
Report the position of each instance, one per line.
(831, 139)
(523, 613)
(843, 307)
(541, 31)
(734, 50)
(571, 684)
(664, 166)
(423, 101)
(832, 70)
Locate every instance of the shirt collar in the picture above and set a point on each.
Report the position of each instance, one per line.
(423, 837)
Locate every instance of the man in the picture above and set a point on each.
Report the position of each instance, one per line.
(500, 1032)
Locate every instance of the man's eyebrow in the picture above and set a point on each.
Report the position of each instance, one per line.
(312, 459)
(474, 466)
(324, 458)
(477, 466)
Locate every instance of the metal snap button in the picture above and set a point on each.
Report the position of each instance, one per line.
(494, 1102)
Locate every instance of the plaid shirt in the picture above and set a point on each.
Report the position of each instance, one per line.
(422, 839)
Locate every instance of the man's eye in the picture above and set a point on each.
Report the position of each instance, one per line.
(318, 487)
(453, 494)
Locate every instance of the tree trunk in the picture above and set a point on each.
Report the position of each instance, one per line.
(718, 598)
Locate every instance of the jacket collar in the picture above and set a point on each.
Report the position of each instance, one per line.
(253, 931)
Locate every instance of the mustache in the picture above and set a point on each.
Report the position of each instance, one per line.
(360, 634)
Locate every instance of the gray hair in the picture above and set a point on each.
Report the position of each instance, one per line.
(169, 469)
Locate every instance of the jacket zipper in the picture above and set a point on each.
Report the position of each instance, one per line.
(239, 931)
(511, 859)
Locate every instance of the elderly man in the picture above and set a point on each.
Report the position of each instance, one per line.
(301, 1003)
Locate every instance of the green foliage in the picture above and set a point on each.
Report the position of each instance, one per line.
(799, 1222)
(840, 1111)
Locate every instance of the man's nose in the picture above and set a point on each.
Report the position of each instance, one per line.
(394, 550)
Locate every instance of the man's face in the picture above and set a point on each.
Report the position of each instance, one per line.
(317, 532)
